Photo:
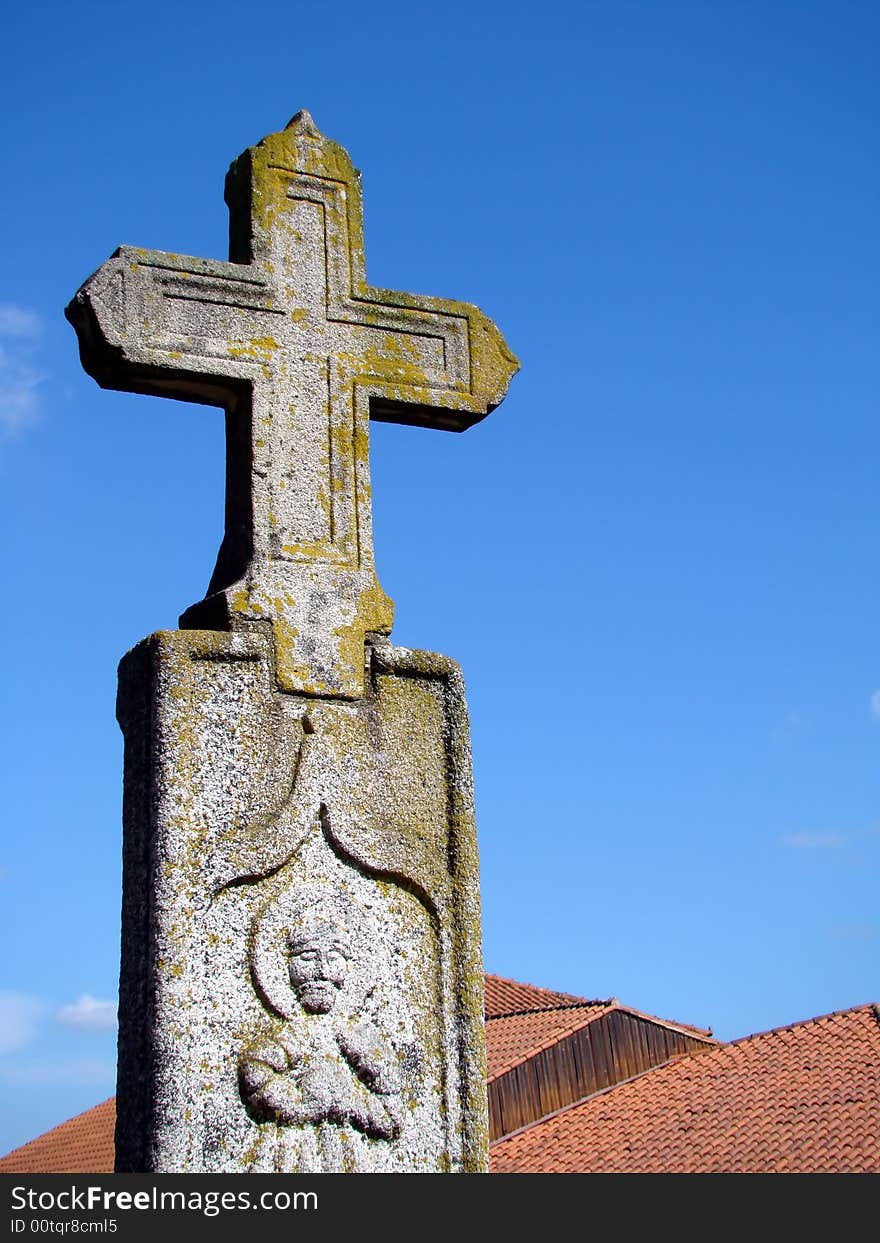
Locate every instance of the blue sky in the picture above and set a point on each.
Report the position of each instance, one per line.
(656, 562)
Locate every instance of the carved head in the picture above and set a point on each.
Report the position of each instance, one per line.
(318, 955)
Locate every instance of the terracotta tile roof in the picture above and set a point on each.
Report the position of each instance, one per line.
(510, 997)
(82, 1145)
(804, 1098)
(513, 1038)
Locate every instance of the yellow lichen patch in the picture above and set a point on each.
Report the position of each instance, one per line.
(257, 348)
(300, 149)
(313, 549)
(375, 613)
(493, 365)
(400, 379)
(324, 498)
(290, 673)
(241, 601)
(401, 343)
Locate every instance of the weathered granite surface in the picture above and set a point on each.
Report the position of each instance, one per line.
(261, 826)
(301, 982)
(302, 353)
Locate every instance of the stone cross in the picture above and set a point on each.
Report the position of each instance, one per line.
(301, 352)
(301, 978)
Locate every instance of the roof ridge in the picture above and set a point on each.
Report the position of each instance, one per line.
(819, 1018)
(583, 1004)
(506, 979)
(689, 1029)
(540, 988)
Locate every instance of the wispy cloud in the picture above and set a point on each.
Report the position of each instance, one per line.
(20, 330)
(853, 932)
(18, 321)
(91, 1072)
(20, 1014)
(875, 705)
(88, 1014)
(812, 841)
(794, 728)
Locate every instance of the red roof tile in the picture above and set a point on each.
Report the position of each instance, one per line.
(82, 1145)
(513, 1038)
(510, 997)
(800, 1099)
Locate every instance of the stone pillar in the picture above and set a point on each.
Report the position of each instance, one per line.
(301, 972)
(301, 984)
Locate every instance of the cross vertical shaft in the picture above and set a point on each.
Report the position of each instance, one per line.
(301, 352)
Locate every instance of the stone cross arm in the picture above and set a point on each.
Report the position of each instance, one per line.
(301, 352)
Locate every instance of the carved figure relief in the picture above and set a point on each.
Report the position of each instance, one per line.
(323, 1079)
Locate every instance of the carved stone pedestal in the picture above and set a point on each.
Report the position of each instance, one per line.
(301, 982)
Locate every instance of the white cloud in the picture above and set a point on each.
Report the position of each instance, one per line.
(20, 1015)
(19, 377)
(812, 841)
(88, 1014)
(875, 705)
(853, 932)
(18, 321)
(90, 1072)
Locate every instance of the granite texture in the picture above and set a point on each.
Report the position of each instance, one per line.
(301, 978)
(301, 352)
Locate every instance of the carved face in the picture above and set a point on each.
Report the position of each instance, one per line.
(317, 961)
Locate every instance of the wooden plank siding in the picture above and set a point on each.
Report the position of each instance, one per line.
(611, 1048)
